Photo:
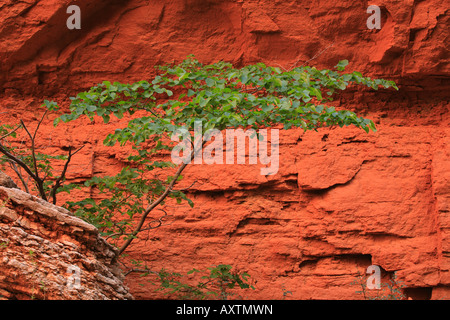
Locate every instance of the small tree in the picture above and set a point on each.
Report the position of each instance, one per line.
(218, 96)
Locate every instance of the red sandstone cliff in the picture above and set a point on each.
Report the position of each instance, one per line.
(342, 199)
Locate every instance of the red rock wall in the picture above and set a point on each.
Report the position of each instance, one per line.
(342, 199)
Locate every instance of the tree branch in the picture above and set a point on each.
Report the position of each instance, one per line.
(37, 179)
(19, 175)
(17, 160)
(156, 203)
(63, 174)
(152, 206)
(33, 151)
(185, 189)
(10, 133)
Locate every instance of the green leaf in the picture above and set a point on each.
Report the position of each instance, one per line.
(341, 65)
(210, 82)
(91, 108)
(267, 107)
(315, 92)
(218, 95)
(203, 102)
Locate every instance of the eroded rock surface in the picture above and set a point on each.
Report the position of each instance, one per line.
(48, 253)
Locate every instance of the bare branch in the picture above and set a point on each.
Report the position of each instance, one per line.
(39, 124)
(298, 60)
(152, 206)
(33, 148)
(139, 270)
(63, 174)
(315, 56)
(187, 188)
(38, 181)
(10, 133)
(33, 154)
(17, 160)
